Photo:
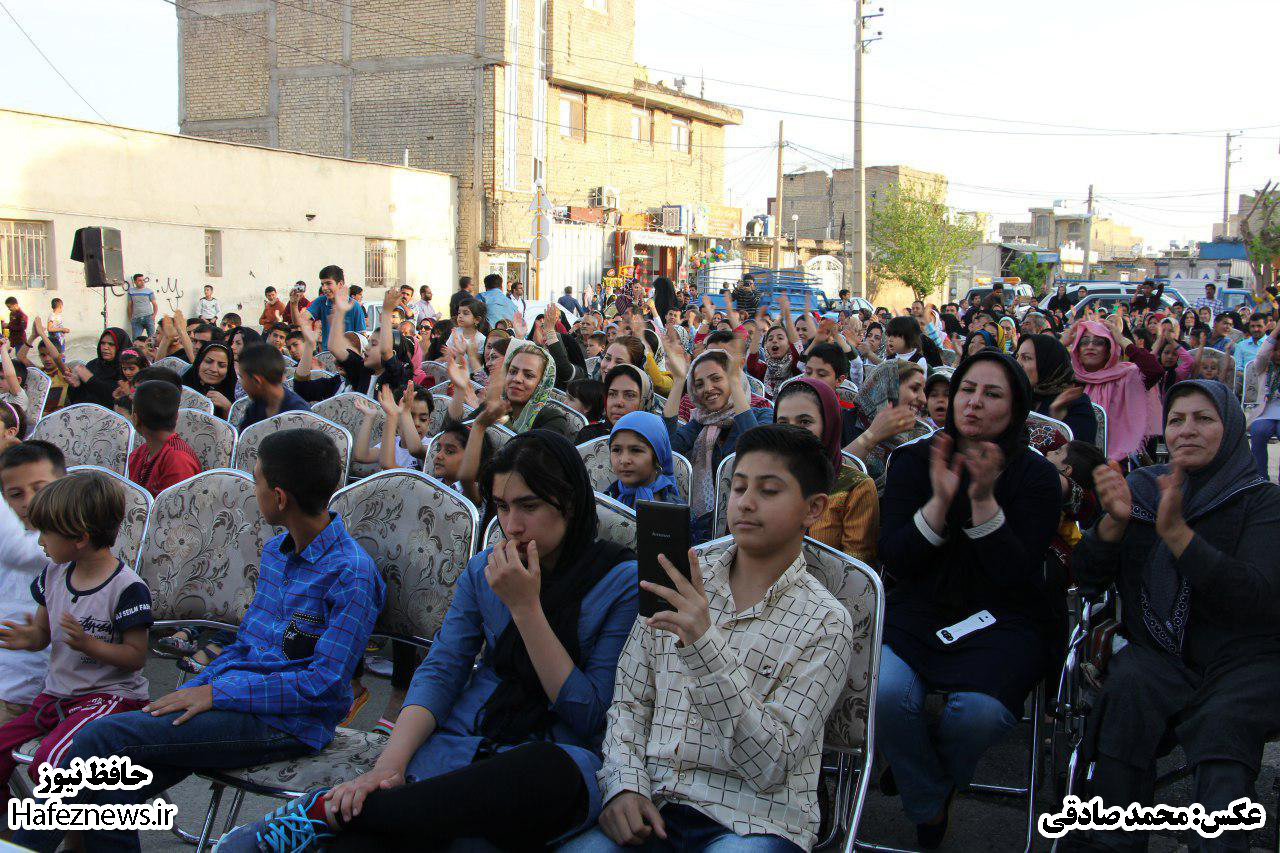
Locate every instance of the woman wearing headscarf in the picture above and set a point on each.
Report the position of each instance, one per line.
(886, 413)
(664, 296)
(530, 376)
(1191, 547)
(1054, 389)
(1121, 388)
(214, 375)
(97, 381)
(965, 522)
(500, 733)
(979, 340)
(640, 455)
(627, 389)
(717, 387)
(851, 521)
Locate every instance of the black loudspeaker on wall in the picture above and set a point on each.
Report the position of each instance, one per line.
(100, 251)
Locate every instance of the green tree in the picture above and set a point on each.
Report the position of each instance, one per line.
(1260, 230)
(1030, 270)
(916, 239)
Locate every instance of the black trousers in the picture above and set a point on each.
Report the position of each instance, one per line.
(520, 799)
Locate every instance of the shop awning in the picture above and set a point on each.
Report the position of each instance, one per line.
(656, 238)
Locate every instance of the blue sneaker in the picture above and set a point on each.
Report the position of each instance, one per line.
(288, 829)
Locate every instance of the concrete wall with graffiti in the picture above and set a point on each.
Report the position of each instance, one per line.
(276, 217)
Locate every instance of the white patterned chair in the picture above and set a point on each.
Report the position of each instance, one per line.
(343, 411)
(617, 524)
(595, 455)
(327, 361)
(201, 557)
(850, 731)
(174, 363)
(193, 399)
(577, 420)
(720, 515)
(1249, 391)
(89, 434)
(1100, 416)
(435, 372)
(37, 384)
(439, 408)
(850, 459)
(1042, 428)
(238, 409)
(593, 364)
(420, 534)
(247, 445)
(212, 439)
(137, 510)
(442, 388)
(950, 357)
(756, 386)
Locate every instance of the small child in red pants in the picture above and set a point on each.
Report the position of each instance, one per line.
(92, 608)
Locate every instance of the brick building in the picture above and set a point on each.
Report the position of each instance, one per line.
(500, 93)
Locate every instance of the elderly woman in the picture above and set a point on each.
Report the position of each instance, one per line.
(1191, 547)
(965, 522)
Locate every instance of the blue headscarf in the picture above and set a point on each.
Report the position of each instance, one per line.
(651, 428)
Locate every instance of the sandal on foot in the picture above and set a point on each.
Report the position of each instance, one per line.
(356, 704)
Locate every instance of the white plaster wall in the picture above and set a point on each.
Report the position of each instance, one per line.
(163, 191)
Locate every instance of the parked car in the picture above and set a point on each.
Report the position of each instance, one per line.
(1092, 288)
(1107, 302)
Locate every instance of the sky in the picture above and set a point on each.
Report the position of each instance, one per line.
(1132, 96)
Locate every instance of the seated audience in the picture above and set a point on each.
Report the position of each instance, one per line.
(500, 732)
(213, 374)
(721, 415)
(627, 389)
(1054, 389)
(96, 381)
(261, 370)
(851, 521)
(886, 414)
(277, 692)
(672, 778)
(965, 522)
(90, 610)
(640, 457)
(1191, 547)
(162, 458)
(25, 469)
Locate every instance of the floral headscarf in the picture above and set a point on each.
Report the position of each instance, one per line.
(541, 393)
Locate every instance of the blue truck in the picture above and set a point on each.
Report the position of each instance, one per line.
(796, 285)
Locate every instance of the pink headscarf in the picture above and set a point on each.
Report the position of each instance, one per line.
(1132, 409)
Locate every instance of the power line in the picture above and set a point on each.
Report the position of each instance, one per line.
(502, 38)
(46, 58)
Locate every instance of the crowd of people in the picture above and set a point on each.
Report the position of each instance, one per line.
(546, 712)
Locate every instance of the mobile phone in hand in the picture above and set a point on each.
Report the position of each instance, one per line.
(661, 529)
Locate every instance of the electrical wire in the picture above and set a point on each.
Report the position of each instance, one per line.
(46, 58)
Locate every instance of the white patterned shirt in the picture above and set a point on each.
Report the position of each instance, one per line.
(732, 724)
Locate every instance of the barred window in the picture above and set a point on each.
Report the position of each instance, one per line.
(382, 263)
(24, 254)
(213, 253)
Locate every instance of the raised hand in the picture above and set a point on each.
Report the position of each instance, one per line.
(944, 470)
(985, 461)
(1170, 522)
(690, 616)
(513, 583)
(1058, 408)
(1113, 492)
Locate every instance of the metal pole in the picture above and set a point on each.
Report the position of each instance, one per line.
(1226, 190)
(777, 210)
(860, 173)
(1088, 236)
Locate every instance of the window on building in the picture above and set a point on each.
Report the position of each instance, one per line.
(382, 262)
(642, 125)
(601, 6)
(213, 253)
(681, 137)
(573, 116)
(1042, 226)
(24, 253)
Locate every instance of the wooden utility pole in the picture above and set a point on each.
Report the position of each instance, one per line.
(1088, 236)
(777, 207)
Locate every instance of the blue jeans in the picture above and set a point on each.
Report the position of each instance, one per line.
(212, 740)
(687, 829)
(929, 761)
(1262, 431)
(138, 325)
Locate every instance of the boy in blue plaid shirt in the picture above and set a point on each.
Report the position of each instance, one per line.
(280, 689)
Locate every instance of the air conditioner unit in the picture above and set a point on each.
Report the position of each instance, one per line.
(606, 197)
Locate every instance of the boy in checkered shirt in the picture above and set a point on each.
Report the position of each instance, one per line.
(92, 609)
(280, 689)
(715, 730)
